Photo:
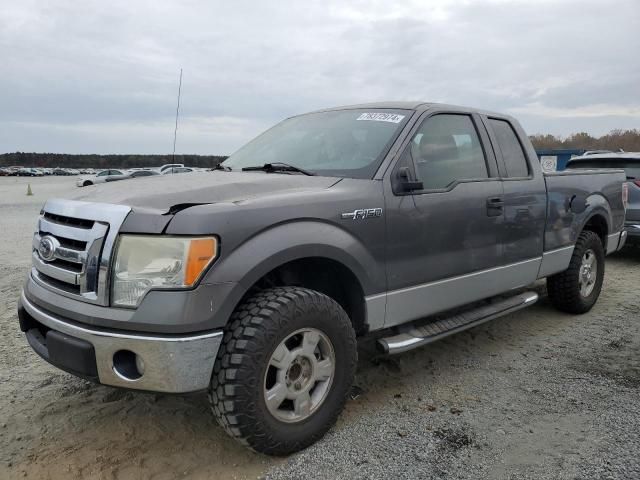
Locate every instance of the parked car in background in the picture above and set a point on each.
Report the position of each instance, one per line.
(172, 170)
(100, 177)
(595, 152)
(169, 165)
(630, 163)
(30, 172)
(133, 174)
(13, 170)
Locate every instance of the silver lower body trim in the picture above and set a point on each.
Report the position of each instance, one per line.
(420, 301)
(555, 261)
(173, 364)
(616, 241)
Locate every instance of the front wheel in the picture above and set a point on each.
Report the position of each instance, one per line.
(577, 289)
(284, 369)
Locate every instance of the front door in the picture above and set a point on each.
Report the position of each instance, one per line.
(443, 240)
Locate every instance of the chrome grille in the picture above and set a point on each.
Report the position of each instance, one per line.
(79, 238)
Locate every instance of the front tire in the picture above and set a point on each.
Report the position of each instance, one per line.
(577, 289)
(284, 369)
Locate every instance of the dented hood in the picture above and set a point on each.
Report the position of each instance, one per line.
(170, 193)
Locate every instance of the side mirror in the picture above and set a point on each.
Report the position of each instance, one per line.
(407, 183)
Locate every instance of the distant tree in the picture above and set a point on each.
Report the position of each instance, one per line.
(627, 140)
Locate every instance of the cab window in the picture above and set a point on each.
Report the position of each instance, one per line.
(446, 149)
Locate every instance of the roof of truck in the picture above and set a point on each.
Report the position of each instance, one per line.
(411, 105)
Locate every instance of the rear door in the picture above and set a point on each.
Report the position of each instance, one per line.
(525, 194)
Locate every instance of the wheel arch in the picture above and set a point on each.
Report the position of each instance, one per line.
(318, 256)
(598, 224)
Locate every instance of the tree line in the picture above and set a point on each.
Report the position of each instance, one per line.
(64, 160)
(627, 140)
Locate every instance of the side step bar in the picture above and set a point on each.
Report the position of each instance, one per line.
(417, 335)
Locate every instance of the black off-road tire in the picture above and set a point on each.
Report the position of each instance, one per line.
(256, 328)
(564, 288)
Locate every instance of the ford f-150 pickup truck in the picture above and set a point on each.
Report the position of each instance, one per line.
(253, 281)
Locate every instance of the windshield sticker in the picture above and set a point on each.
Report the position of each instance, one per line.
(381, 117)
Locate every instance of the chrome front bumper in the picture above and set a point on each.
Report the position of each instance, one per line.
(167, 363)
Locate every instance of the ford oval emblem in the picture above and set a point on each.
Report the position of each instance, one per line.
(47, 248)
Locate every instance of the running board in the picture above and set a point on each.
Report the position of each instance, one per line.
(417, 335)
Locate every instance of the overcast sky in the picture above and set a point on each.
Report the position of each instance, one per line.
(101, 77)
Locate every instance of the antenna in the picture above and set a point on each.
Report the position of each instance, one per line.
(175, 131)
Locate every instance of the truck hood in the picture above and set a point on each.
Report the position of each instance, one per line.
(169, 193)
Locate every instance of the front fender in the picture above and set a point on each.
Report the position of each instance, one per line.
(240, 269)
(294, 240)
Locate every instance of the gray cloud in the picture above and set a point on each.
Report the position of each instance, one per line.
(101, 77)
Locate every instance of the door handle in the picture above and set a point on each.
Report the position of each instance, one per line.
(495, 206)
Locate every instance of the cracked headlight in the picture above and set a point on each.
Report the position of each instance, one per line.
(145, 262)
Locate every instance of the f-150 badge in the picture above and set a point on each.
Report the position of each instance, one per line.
(362, 213)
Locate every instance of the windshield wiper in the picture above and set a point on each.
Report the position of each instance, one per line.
(278, 167)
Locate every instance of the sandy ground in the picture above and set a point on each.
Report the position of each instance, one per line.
(536, 394)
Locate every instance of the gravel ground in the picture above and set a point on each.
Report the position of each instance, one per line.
(537, 394)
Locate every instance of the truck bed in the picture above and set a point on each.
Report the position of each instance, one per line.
(574, 196)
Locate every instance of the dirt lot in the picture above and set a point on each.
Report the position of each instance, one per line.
(537, 394)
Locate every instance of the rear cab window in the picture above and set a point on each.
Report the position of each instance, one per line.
(515, 160)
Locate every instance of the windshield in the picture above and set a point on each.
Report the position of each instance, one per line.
(342, 143)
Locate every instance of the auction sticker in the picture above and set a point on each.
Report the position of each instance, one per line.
(381, 117)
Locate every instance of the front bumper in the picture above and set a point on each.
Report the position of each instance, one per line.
(161, 363)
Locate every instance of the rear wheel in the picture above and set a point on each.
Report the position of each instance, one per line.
(577, 289)
(284, 369)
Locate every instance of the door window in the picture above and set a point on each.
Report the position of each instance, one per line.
(447, 149)
(514, 158)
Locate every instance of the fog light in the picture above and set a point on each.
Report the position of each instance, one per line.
(127, 365)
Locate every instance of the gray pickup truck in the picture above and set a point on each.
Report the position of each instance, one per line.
(253, 281)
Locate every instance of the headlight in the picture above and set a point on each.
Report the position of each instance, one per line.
(150, 262)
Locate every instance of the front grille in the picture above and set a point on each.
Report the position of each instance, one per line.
(71, 266)
(72, 248)
(73, 222)
(59, 285)
(68, 242)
